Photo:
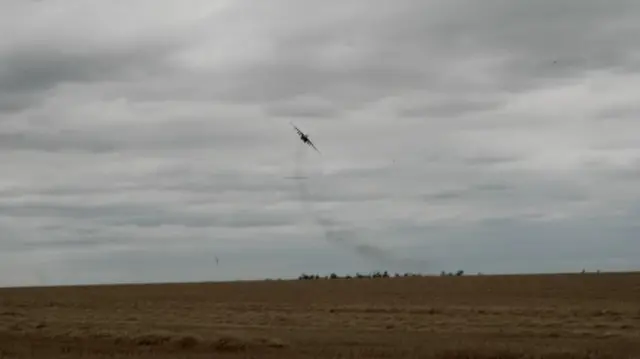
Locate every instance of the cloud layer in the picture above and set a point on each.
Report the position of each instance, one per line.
(141, 139)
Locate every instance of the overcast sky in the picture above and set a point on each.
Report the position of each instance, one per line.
(140, 140)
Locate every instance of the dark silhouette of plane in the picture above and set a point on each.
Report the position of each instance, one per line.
(304, 137)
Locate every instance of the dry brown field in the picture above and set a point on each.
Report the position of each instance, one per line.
(581, 316)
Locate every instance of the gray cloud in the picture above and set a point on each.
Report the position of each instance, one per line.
(303, 107)
(451, 108)
(32, 71)
(497, 136)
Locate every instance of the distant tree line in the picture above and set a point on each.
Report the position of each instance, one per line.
(386, 274)
(375, 274)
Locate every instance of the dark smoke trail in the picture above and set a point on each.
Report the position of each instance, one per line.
(334, 231)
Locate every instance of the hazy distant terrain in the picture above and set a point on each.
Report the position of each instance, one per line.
(533, 316)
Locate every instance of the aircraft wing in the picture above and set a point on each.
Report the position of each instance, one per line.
(297, 129)
(312, 145)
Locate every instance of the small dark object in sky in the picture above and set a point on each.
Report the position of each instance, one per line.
(305, 138)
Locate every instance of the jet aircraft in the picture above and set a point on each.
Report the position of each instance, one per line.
(305, 138)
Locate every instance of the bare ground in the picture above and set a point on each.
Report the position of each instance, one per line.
(581, 316)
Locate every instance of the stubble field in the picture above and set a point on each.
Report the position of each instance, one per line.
(533, 316)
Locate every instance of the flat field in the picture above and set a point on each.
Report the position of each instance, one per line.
(585, 316)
